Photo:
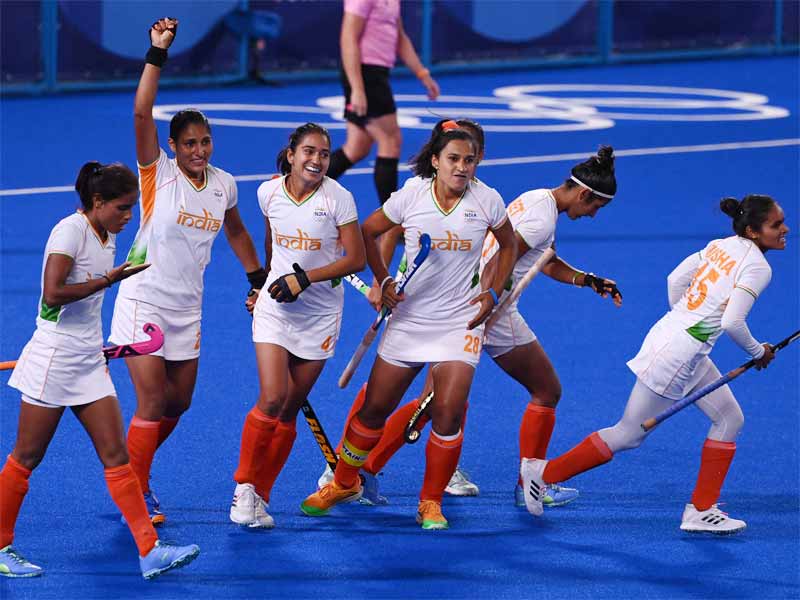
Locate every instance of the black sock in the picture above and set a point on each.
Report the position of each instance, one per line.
(339, 164)
(385, 175)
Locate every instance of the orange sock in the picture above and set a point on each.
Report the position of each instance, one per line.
(358, 441)
(126, 493)
(142, 445)
(361, 396)
(276, 455)
(257, 436)
(441, 460)
(165, 428)
(535, 431)
(714, 463)
(392, 439)
(590, 453)
(13, 487)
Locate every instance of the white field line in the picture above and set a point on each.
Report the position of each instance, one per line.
(493, 162)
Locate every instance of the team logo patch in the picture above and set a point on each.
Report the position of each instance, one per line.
(218, 193)
(320, 214)
(469, 214)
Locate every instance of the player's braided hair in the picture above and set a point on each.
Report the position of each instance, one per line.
(108, 181)
(421, 163)
(752, 211)
(597, 173)
(295, 138)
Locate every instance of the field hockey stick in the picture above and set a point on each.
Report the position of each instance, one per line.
(358, 283)
(361, 286)
(123, 350)
(319, 435)
(411, 433)
(519, 288)
(369, 336)
(694, 397)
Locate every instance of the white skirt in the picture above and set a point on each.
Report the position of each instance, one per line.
(312, 337)
(508, 331)
(60, 377)
(670, 361)
(181, 328)
(412, 342)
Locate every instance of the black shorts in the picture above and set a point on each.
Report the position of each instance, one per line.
(380, 100)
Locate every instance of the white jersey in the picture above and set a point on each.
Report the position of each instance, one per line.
(724, 264)
(533, 215)
(177, 229)
(306, 233)
(77, 325)
(447, 281)
(674, 354)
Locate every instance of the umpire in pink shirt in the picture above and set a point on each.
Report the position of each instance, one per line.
(372, 37)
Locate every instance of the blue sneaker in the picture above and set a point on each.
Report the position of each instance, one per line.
(165, 556)
(556, 495)
(157, 518)
(371, 496)
(13, 564)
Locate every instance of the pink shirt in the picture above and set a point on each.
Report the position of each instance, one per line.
(378, 43)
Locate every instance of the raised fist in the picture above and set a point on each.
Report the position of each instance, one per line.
(163, 32)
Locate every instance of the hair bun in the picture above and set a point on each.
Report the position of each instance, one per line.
(605, 158)
(730, 206)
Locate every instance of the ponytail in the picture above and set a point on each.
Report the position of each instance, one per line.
(106, 181)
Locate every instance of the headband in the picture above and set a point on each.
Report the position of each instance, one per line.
(580, 183)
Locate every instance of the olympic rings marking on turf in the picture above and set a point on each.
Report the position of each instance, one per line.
(527, 108)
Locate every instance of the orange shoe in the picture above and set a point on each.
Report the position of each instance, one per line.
(320, 502)
(429, 515)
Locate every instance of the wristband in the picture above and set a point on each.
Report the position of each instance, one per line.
(257, 278)
(385, 280)
(108, 279)
(493, 294)
(575, 277)
(156, 56)
(423, 72)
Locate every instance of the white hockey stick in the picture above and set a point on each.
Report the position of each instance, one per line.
(369, 336)
(520, 287)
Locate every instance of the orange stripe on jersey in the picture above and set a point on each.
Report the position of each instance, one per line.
(147, 181)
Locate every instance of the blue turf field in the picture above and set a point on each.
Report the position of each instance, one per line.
(620, 539)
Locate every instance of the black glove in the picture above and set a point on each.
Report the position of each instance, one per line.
(287, 288)
(601, 285)
(256, 279)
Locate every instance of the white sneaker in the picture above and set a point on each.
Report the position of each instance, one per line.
(248, 509)
(460, 485)
(325, 478)
(533, 486)
(712, 520)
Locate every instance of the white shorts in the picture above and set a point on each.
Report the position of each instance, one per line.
(312, 337)
(406, 341)
(181, 327)
(51, 377)
(670, 361)
(509, 331)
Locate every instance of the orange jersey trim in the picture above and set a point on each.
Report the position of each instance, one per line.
(147, 178)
